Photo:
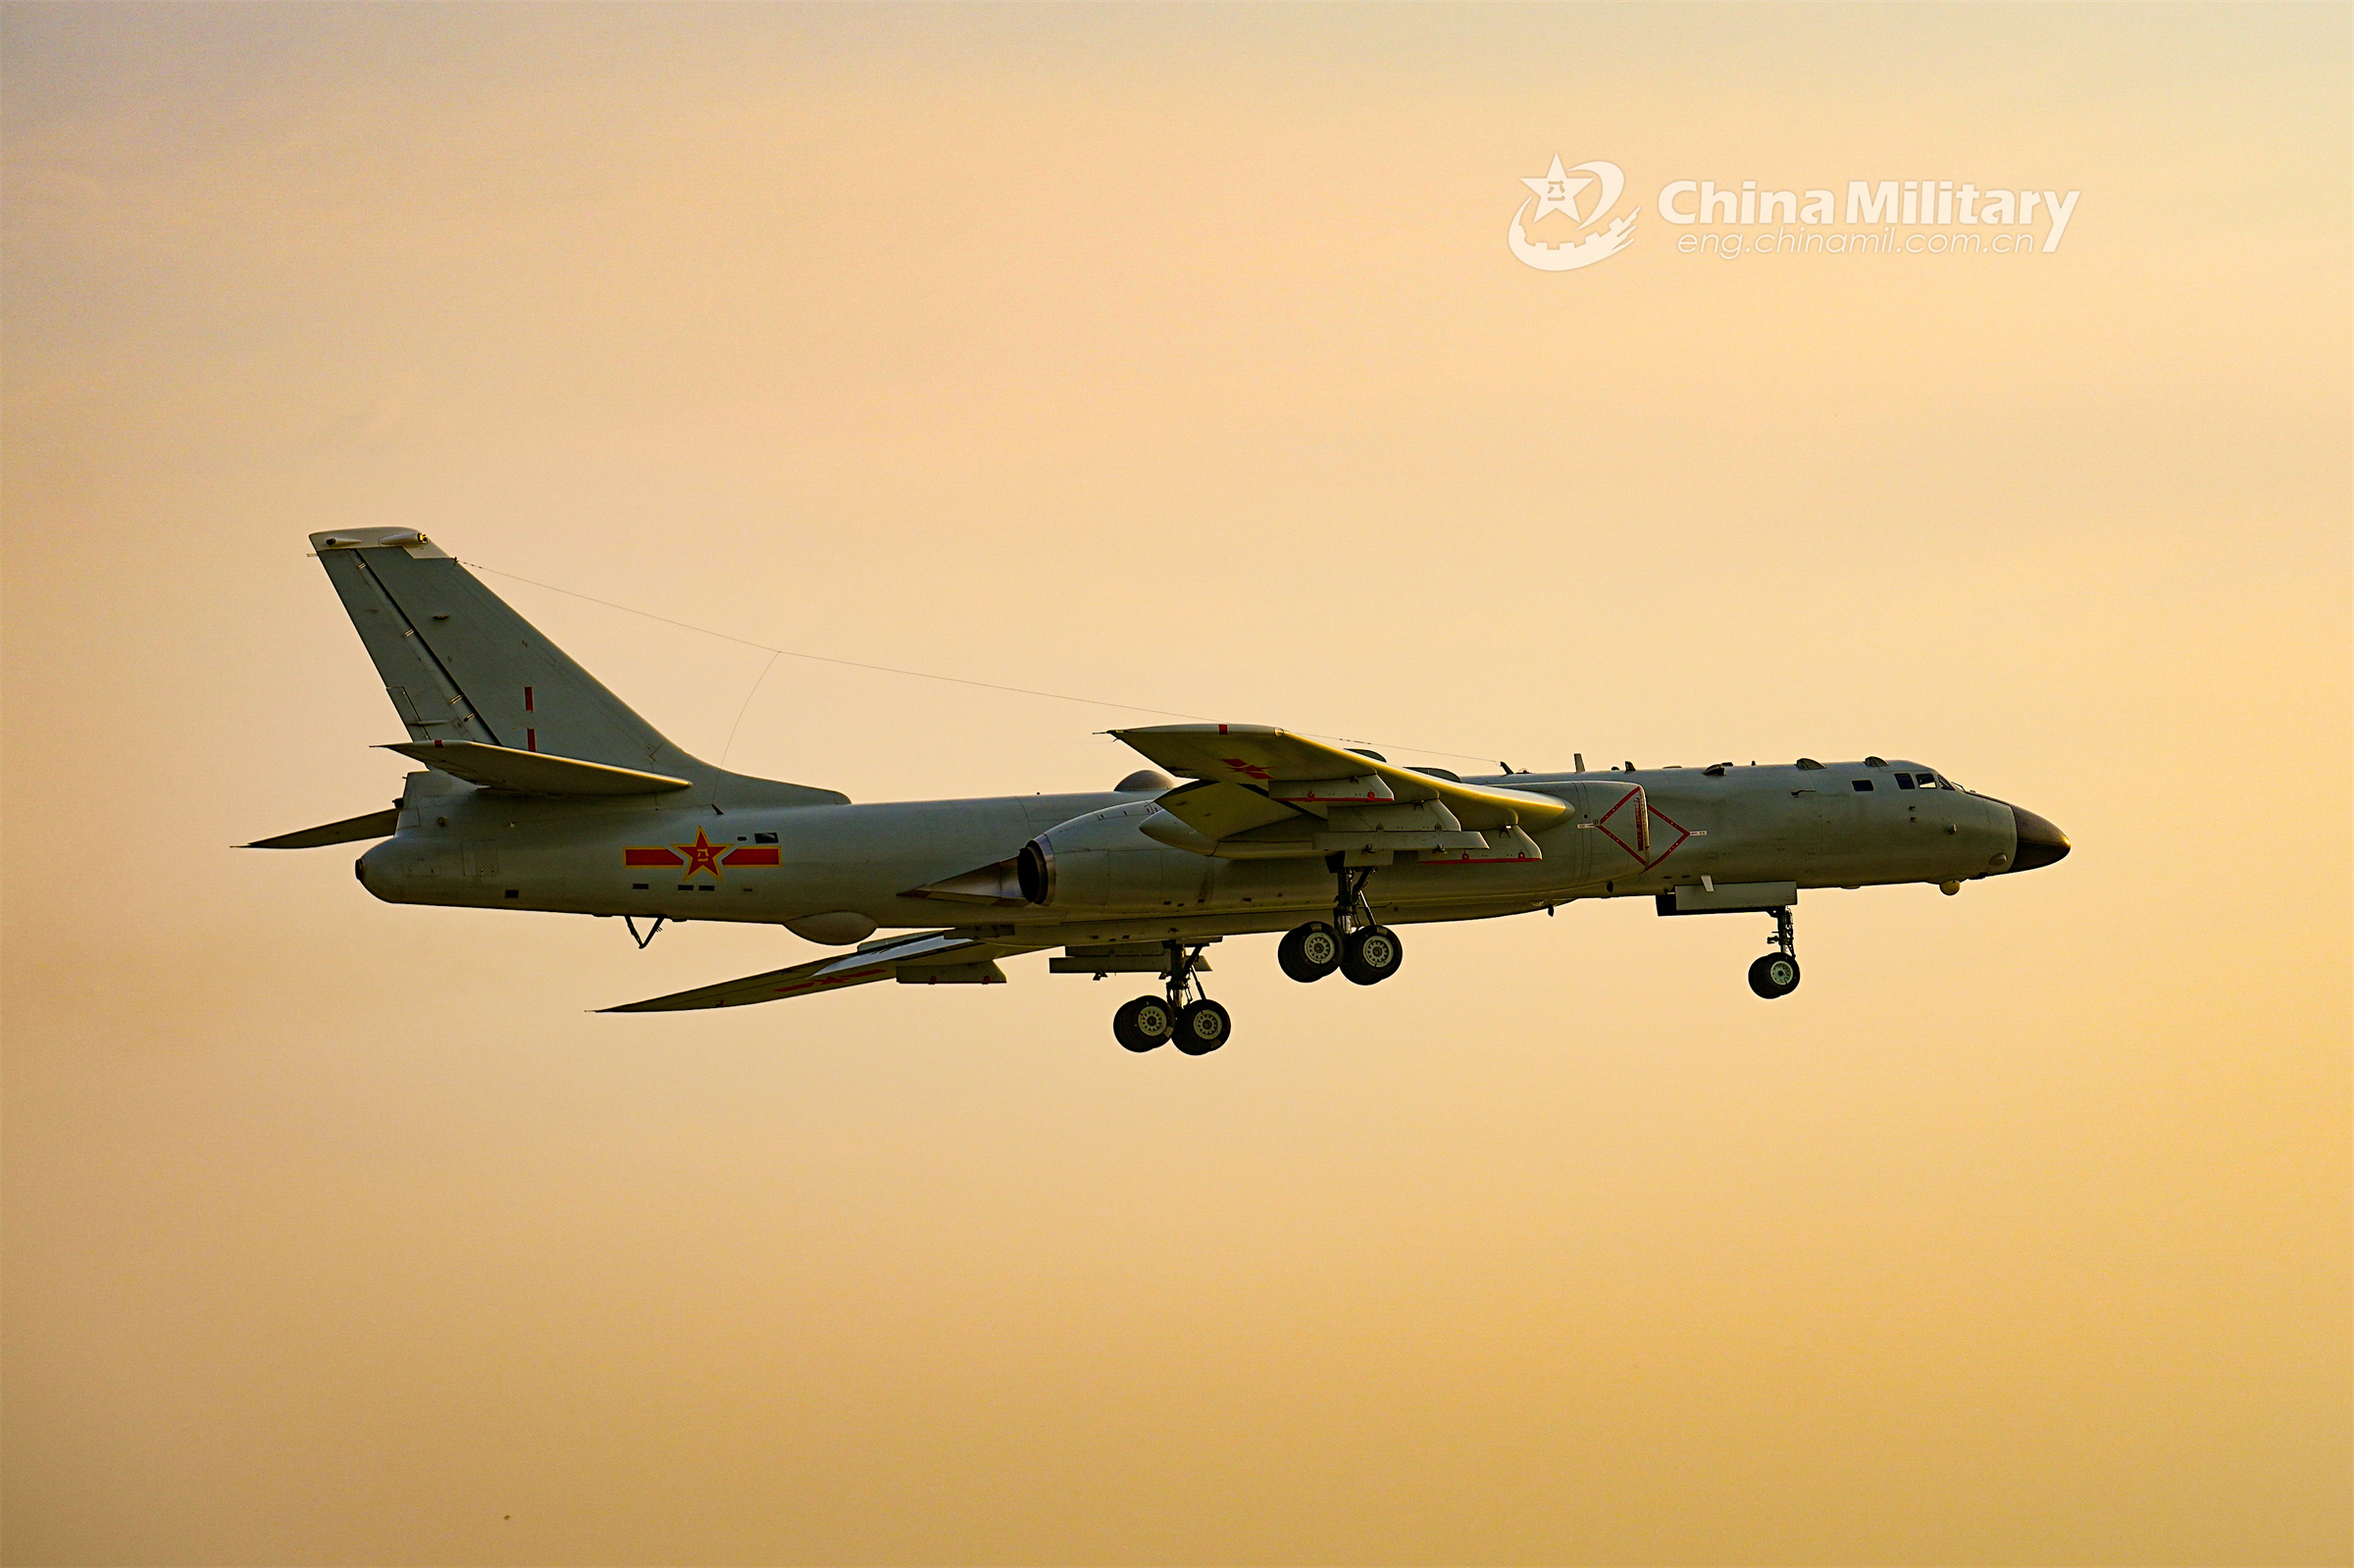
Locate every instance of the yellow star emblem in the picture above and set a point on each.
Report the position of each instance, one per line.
(702, 855)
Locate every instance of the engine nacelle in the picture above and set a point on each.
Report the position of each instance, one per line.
(1103, 861)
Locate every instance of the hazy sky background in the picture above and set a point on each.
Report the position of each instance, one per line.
(1175, 357)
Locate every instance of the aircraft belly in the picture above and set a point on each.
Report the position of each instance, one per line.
(1411, 888)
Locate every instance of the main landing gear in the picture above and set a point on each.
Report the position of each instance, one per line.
(1777, 973)
(1198, 1026)
(1352, 943)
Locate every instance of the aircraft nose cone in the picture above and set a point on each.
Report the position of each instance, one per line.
(2040, 841)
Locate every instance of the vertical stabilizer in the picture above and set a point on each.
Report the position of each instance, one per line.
(460, 665)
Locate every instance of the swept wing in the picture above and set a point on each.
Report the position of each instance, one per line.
(922, 958)
(1267, 792)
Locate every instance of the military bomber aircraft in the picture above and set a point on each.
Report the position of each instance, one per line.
(542, 790)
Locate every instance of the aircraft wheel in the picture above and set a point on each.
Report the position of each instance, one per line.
(1142, 1024)
(1372, 955)
(1309, 952)
(1203, 1028)
(1772, 975)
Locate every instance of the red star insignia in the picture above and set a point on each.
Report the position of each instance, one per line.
(1250, 770)
(703, 854)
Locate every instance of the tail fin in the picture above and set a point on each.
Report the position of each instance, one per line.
(460, 665)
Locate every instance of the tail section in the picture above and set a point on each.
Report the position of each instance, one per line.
(461, 666)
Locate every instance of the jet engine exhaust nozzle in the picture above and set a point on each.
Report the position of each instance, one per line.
(1035, 868)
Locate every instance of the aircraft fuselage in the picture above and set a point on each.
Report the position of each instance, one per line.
(647, 857)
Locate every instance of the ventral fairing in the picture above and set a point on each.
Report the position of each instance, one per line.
(542, 790)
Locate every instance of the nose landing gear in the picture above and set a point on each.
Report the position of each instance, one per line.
(1198, 1026)
(1777, 973)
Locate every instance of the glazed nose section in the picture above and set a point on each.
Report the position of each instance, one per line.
(2040, 841)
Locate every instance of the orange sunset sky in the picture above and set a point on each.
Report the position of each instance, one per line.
(1175, 356)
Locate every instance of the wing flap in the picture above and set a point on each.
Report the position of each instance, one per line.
(1377, 839)
(1218, 810)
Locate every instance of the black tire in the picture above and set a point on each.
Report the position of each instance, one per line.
(1372, 955)
(1203, 1028)
(1309, 952)
(1774, 976)
(1143, 1025)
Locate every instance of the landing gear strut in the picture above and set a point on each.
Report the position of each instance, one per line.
(1352, 943)
(1777, 973)
(1198, 1026)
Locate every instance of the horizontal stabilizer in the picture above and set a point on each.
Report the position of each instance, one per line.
(350, 831)
(920, 958)
(534, 772)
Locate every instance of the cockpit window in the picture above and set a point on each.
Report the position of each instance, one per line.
(1904, 780)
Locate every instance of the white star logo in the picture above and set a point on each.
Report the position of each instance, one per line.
(1556, 192)
(1559, 189)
